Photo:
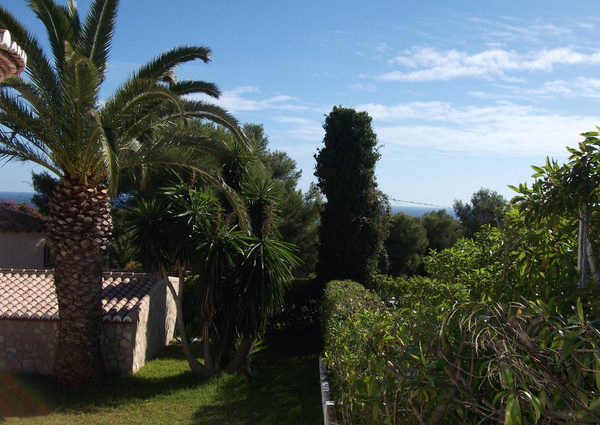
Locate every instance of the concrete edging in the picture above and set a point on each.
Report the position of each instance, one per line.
(329, 416)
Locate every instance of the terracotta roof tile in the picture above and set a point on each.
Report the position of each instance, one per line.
(16, 221)
(30, 295)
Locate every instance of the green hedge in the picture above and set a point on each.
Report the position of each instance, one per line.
(357, 326)
(432, 357)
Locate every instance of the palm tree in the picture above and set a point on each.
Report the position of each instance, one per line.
(55, 118)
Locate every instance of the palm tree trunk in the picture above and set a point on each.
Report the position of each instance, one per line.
(79, 226)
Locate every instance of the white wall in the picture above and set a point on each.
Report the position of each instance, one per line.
(22, 250)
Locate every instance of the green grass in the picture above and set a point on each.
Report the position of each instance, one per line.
(284, 389)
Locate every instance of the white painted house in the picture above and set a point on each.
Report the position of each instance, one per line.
(22, 241)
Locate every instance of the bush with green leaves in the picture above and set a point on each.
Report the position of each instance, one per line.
(506, 329)
(385, 361)
(301, 308)
(478, 362)
(522, 259)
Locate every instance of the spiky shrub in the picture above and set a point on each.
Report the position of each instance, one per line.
(237, 280)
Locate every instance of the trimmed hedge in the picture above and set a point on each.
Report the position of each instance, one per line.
(355, 329)
(414, 362)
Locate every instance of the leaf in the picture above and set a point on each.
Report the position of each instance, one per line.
(580, 310)
(538, 169)
(595, 405)
(543, 398)
(569, 345)
(513, 188)
(590, 134)
(535, 402)
(512, 414)
(507, 374)
(498, 397)
(583, 397)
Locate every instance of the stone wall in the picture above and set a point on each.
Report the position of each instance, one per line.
(155, 325)
(29, 346)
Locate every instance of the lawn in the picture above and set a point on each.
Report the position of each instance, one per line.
(284, 389)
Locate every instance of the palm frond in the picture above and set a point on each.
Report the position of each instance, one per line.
(140, 116)
(98, 32)
(160, 66)
(192, 86)
(102, 162)
(14, 149)
(58, 26)
(161, 156)
(18, 116)
(204, 110)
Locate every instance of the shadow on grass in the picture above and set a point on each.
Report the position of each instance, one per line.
(281, 391)
(284, 388)
(36, 395)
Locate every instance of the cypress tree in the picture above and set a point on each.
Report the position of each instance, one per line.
(354, 221)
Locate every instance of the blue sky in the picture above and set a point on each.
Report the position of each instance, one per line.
(463, 94)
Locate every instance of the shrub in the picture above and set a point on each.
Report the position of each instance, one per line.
(511, 363)
(301, 309)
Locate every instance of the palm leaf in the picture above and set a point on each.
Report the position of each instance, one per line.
(98, 32)
(58, 26)
(192, 86)
(161, 66)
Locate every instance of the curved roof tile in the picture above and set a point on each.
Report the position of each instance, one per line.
(30, 295)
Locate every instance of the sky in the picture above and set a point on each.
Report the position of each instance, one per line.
(463, 94)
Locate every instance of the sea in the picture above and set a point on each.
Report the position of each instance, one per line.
(16, 197)
(410, 210)
(419, 211)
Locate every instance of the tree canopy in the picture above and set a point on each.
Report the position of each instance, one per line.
(486, 207)
(354, 221)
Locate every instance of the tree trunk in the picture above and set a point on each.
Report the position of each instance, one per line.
(586, 260)
(194, 364)
(79, 226)
(240, 363)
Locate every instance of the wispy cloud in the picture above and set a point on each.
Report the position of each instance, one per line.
(430, 64)
(579, 87)
(512, 29)
(507, 130)
(363, 87)
(302, 128)
(240, 99)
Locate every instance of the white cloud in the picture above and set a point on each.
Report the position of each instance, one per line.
(429, 64)
(579, 87)
(302, 129)
(234, 100)
(585, 25)
(363, 87)
(506, 130)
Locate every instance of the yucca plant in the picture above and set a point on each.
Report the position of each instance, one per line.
(54, 117)
(239, 278)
